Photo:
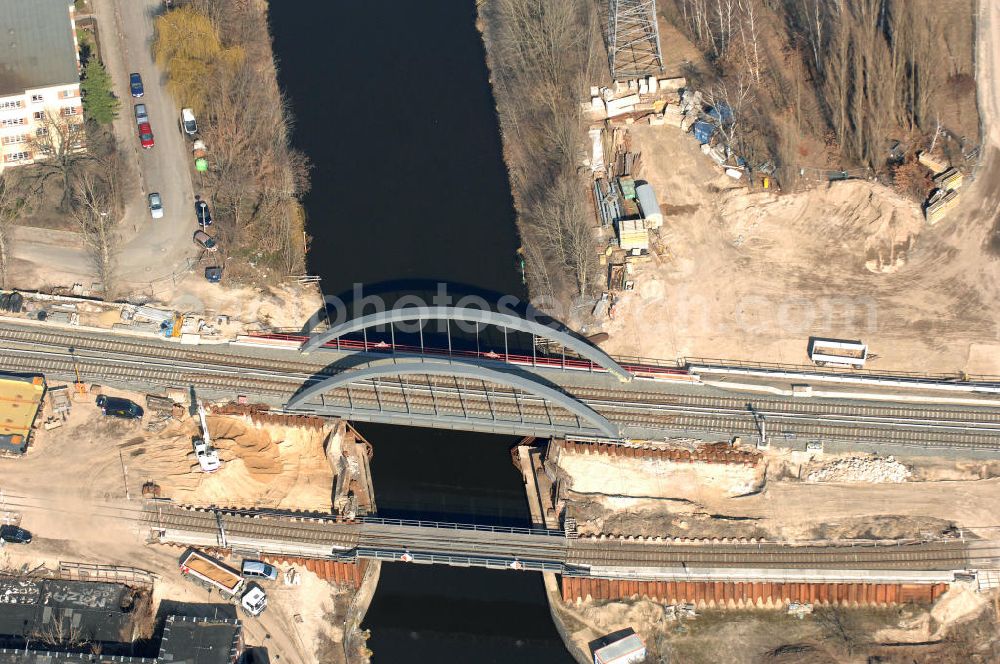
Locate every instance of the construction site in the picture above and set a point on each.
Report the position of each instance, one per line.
(762, 425)
(728, 495)
(111, 465)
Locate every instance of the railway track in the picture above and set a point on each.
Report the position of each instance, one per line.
(276, 378)
(466, 541)
(261, 528)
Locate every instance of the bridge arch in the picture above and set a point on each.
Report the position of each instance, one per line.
(470, 315)
(580, 410)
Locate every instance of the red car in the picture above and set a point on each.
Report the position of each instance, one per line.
(146, 135)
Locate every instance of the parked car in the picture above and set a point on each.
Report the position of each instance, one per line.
(135, 84)
(213, 274)
(155, 206)
(257, 569)
(205, 241)
(146, 136)
(140, 114)
(15, 535)
(201, 209)
(188, 122)
(117, 407)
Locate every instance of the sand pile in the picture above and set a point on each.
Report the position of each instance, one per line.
(658, 478)
(263, 465)
(859, 217)
(641, 615)
(873, 469)
(957, 605)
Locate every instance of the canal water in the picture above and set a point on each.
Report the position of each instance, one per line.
(393, 106)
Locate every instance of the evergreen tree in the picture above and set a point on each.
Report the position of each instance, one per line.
(99, 103)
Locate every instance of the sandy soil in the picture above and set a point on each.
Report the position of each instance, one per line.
(622, 476)
(269, 466)
(283, 306)
(753, 276)
(69, 491)
(632, 497)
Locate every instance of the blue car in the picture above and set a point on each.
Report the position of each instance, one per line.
(201, 209)
(135, 84)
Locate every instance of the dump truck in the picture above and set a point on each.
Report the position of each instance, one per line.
(213, 574)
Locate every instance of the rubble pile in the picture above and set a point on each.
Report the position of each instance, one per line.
(873, 469)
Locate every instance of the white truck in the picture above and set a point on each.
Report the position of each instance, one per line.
(214, 574)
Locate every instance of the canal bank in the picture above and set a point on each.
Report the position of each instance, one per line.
(395, 110)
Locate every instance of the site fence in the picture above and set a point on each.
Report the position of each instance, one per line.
(694, 362)
(130, 576)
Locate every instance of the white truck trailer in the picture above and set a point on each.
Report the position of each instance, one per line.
(214, 574)
(838, 353)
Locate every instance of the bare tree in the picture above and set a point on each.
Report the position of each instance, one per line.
(566, 227)
(544, 52)
(59, 148)
(750, 37)
(94, 208)
(16, 193)
(730, 101)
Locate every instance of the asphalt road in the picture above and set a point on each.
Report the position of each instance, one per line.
(151, 248)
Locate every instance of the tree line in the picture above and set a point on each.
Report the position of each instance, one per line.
(218, 60)
(542, 54)
(851, 73)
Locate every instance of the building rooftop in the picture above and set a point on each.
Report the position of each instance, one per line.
(34, 656)
(623, 645)
(63, 611)
(37, 46)
(20, 398)
(200, 640)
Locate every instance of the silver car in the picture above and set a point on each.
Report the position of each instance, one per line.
(258, 569)
(155, 206)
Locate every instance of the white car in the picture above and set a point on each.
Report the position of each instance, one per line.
(208, 457)
(188, 122)
(155, 206)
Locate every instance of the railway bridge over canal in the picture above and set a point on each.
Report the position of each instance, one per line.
(579, 391)
(265, 532)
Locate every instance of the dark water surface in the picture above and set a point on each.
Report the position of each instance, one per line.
(393, 106)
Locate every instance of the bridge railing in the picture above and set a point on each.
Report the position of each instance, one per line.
(467, 527)
(389, 555)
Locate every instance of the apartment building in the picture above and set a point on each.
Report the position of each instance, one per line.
(39, 74)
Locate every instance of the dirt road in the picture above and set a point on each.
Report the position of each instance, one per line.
(151, 249)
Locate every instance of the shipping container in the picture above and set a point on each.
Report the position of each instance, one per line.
(648, 205)
(628, 650)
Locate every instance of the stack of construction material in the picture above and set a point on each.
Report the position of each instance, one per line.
(949, 180)
(632, 235)
(939, 204)
(935, 164)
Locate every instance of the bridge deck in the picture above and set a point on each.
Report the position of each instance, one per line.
(643, 408)
(467, 544)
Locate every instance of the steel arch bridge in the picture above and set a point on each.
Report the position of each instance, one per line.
(471, 315)
(476, 399)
